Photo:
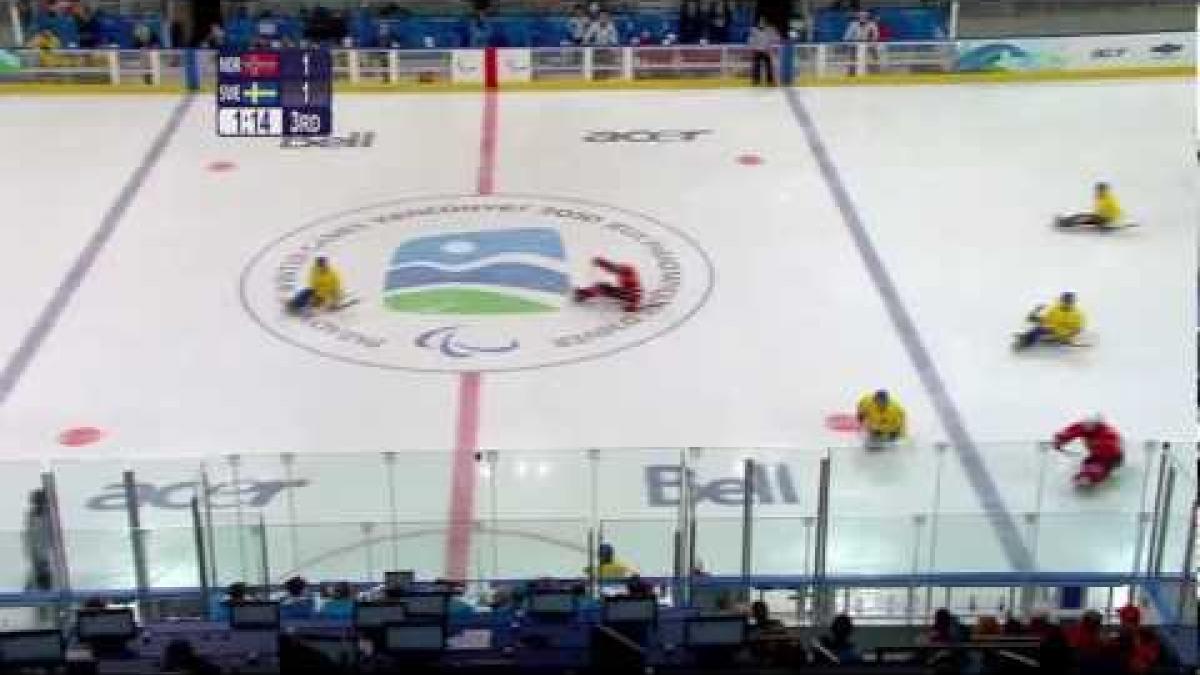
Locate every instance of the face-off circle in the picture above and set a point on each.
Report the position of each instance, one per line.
(477, 283)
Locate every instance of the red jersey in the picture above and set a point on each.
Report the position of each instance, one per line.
(1101, 440)
(627, 279)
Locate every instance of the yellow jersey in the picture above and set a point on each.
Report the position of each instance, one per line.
(1108, 208)
(326, 284)
(877, 419)
(614, 570)
(1064, 322)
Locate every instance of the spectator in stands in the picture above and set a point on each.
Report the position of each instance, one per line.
(297, 602)
(719, 22)
(602, 32)
(577, 25)
(234, 593)
(1087, 639)
(846, 5)
(760, 618)
(144, 38)
(47, 43)
(215, 38)
(692, 22)
(763, 41)
(340, 603)
(946, 629)
(986, 628)
(1012, 626)
(765, 633)
(1139, 649)
(863, 28)
(85, 19)
(837, 646)
(324, 26)
(479, 31)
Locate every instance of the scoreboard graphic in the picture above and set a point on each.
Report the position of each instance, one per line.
(275, 93)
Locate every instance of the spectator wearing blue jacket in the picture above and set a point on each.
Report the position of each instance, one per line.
(234, 593)
(297, 602)
(340, 605)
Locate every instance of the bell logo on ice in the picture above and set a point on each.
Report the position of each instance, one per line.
(476, 283)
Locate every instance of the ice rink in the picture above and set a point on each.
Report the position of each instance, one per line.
(801, 248)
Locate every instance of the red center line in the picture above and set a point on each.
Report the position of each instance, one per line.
(466, 435)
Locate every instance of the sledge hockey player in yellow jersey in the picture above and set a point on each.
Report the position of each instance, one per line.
(325, 283)
(324, 290)
(881, 417)
(1060, 323)
(1106, 213)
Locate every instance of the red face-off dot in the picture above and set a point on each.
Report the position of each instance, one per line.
(221, 166)
(78, 436)
(842, 422)
(749, 159)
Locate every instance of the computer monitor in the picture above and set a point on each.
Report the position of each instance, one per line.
(625, 609)
(414, 638)
(378, 614)
(553, 603)
(398, 579)
(32, 648)
(426, 605)
(105, 624)
(711, 598)
(254, 615)
(715, 631)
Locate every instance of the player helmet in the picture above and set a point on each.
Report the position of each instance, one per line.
(881, 396)
(1067, 298)
(1094, 420)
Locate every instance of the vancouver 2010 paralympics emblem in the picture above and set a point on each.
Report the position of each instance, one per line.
(477, 283)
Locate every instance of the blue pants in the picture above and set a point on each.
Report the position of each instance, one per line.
(304, 300)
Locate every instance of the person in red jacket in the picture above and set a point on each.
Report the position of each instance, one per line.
(628, 288)
(1103, 444)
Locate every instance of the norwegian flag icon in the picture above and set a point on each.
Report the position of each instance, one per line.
(257, 64)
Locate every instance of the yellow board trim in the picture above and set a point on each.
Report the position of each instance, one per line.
(888, 79)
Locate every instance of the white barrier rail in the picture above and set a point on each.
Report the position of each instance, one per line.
(394, 67)
(397, 66)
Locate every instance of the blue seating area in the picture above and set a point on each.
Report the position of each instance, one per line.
(364, 29)
(900, 23)
(103, 29)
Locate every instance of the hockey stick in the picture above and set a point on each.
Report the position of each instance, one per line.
(1069, 452)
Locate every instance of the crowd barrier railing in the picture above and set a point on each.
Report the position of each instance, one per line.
(793, 62)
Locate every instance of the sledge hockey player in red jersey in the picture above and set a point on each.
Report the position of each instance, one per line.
(628, 289)
(1103, 444)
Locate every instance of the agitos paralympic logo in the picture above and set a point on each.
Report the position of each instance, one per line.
(477, 283)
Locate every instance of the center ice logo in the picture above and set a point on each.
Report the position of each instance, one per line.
(511, 271)
(476, 283)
